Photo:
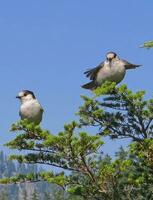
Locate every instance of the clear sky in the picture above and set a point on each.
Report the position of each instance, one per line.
(45, 46)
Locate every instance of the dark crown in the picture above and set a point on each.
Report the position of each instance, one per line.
(29, 92)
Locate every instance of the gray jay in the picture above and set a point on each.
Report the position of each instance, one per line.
(30, 108)
(113, 69)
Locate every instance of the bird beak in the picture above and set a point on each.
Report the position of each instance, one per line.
(18, 97)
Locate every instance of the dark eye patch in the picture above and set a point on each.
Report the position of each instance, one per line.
(115, 55)
(25, 94)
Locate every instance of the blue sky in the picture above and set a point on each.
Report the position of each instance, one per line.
(45, 46)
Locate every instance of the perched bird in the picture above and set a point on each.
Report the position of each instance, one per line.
(113, 69)
(30, 108)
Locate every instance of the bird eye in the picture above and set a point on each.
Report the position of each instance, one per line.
(25, 94)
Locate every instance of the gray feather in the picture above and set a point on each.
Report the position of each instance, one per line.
(92, 73)
(91, 85)
(130, 65)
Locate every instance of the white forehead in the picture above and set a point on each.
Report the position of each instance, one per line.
(110, 55)
(21, 94)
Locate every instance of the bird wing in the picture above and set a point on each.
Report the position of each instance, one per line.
(20, 114)
(129, 65)
(92, 73)
(41, 109)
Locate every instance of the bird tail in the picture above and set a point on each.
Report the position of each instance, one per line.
(91, 85)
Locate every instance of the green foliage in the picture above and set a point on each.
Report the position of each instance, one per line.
(148, 45)
(120, 114)
(86, 173)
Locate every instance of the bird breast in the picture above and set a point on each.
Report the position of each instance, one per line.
(32, 111)
(113, 72)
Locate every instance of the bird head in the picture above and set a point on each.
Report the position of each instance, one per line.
(25, 95)
(111, 56)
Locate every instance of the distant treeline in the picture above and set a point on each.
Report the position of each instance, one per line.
(27, 191)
